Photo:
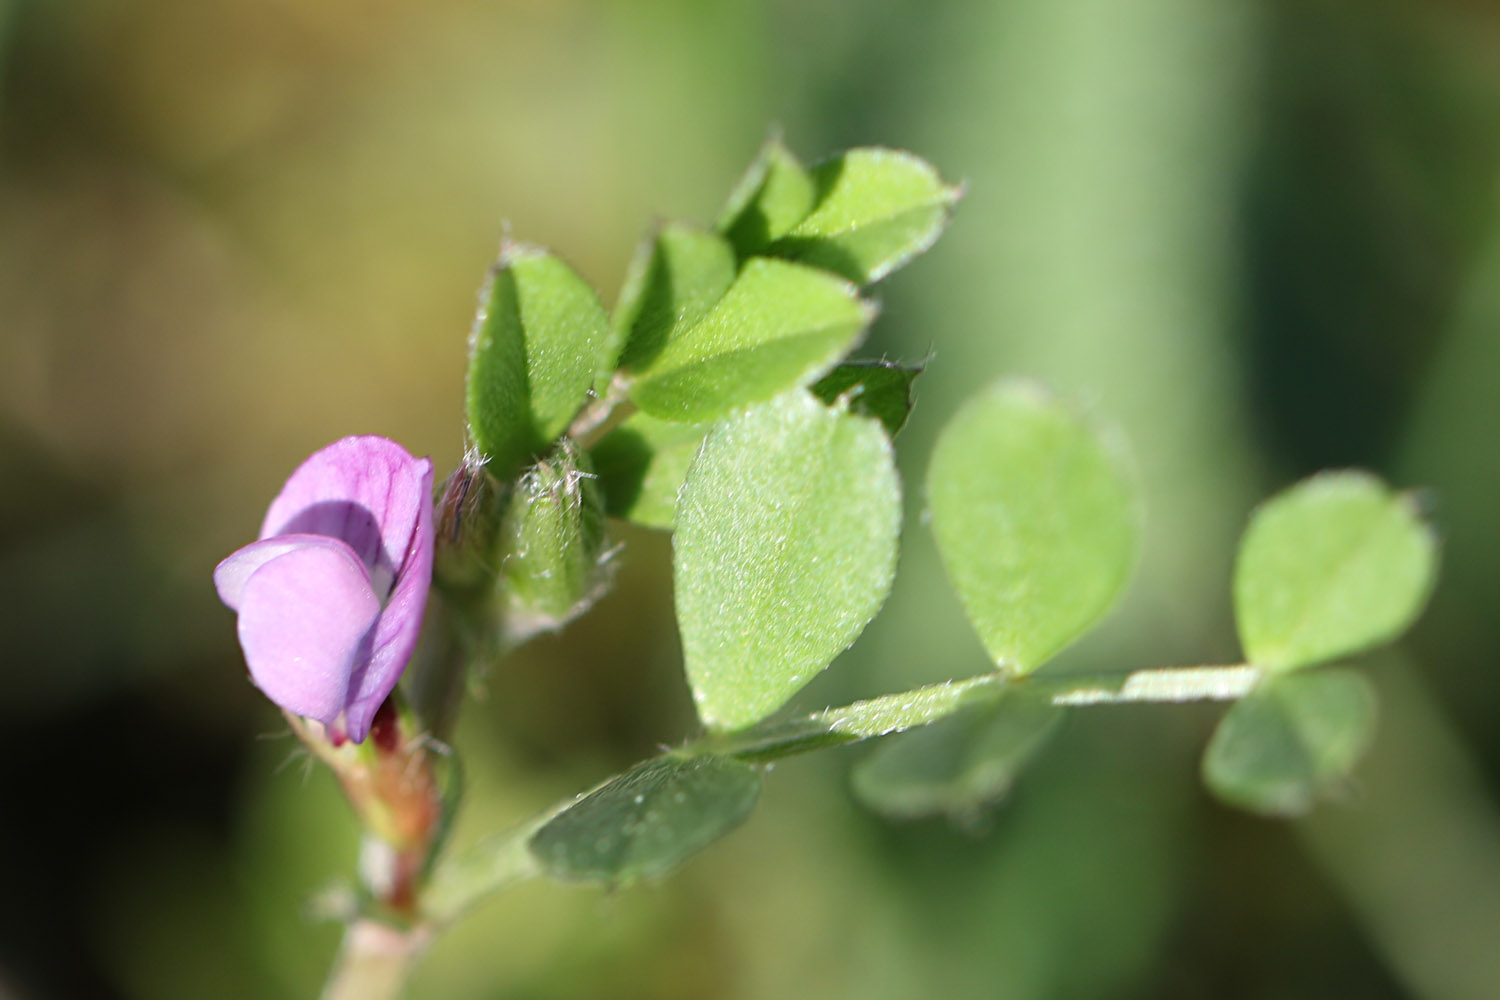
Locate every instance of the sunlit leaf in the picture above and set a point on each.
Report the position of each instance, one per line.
(1037, 520)
(641, 465)
(959, 768)
(649, 820)
(774, 195)
(1291, 742)
(874, 209)
(1335, 564)
(878, 389)
(785, 548)
(533, 354)
(780, 325)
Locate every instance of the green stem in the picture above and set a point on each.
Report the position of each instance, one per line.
(493, 865)
(503, 861)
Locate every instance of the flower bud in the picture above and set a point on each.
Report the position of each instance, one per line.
(556, 564)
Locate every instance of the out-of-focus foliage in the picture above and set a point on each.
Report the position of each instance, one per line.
(1261, 235)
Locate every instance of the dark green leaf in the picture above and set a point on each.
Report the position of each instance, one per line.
(785, 548)
(1037, 520)
(534, 351)
(649, 820)
(1292, 741)
(1335, 564)
(878, 389)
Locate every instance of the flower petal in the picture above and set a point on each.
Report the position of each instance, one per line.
(231, 575)
(400, 625)
(305, 626)
(367, 491)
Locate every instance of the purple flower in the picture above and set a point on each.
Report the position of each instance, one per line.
(331, 598)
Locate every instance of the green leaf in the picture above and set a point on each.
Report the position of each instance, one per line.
(533, 354)
(647, 821)
(774, 195)
(959, 768)
(675, 279)
(1292, 741)
(641, 465)
(878, 389)
(1335, 564)
(874, 210)
(780, 325)
(1036, 518)
(785, 548)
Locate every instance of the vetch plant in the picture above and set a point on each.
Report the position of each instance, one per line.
(717, 401)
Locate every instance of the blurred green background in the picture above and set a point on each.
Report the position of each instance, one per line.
(1262, 235)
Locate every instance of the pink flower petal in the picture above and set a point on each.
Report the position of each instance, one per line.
(400, 625)
(231, 575)
(305, 625)
(367, 491)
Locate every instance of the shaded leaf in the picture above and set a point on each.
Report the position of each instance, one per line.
(533, 354)
(879, 389)
(647, 821)
(641, 465)
(1036, 518)
(780, 325)
(785, 548)
(1290, 742)
(1335, 564)
(774, 195)
(675, 279)
(959, 768)
(874, 210)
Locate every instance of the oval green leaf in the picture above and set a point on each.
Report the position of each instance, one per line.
(779, 326)
(874, 210)
(784, 550)
(1333, 565)
(647, 821)
(1291, 742)
(533, 354)
(1036, 518)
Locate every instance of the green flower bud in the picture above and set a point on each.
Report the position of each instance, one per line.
(556, 564)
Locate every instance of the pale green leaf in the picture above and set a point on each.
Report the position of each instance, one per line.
(533, 354)
(785, 548)
(1036, 518)
(774, 195)
(641, 465)
(874, 210)
(959, 768)
(1333, 565)
(780, 325)
(1292, 741)
(675, 279)
(649, 820)
(879, 389)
